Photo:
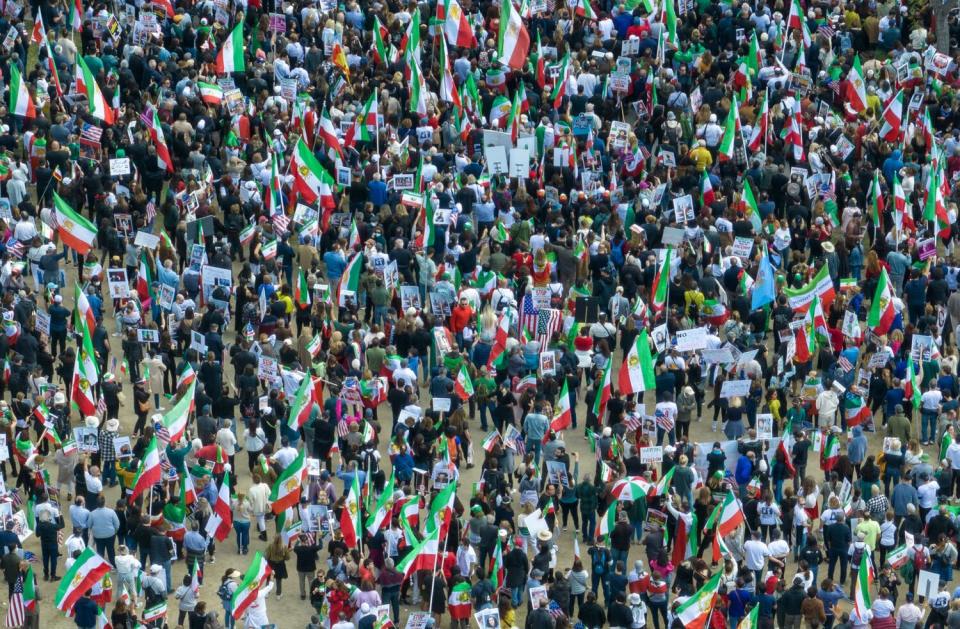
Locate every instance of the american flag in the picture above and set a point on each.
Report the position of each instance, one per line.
(282, 222)
(529, 316)
(30, 557)
(555, 610)
(101, 405)
(16, 248)
(632, 422)
(16, 614)
(549, 321)
(827, 31)
(151, 210)
(342, 428)
(91, 132)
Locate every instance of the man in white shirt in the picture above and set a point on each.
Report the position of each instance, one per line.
(466, 557)
(927, 496)
(755, 553)
(929, 410)
(404, 376)
(286, 454)
(909, 615)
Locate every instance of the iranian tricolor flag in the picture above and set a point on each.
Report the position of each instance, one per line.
(730, 131)
(460, 601)
(821, 286)
(448, 87)
(302, 404)
(29, 587)
(310, 179)
(603, 395)
(636, 372)
(661, 283)
(418, 87)
(750, 620)
(145, 281)
(497, 571)
(230, 57)
(727, 515)
(426, 233)
(861, 587)
(82, 396)
(302, 291)
(83, 307)
(695, 611)
(794, 135)
(175, 420)
(513, 42)
(328, 133)
(685, 538)
(856, 86)
(95, 99)
(564, 416)
(797, 19)
(463, 385)
(221, 520)
(830, 453)
(350, 280)
(210, 93)
(381, 35)
(707, 196)
(560, 86)
(490, 441)
(500, 340)
(350, 516)
(881, 314)
(246, 593)
(607, 522)
(893, 119)
(86, 571)
(286, 490)
(422, 556)
(360, 129)
(149, 472)
(934, 208)
(806, 335)
(441, 510)
(156, 134)
(21, 102)
(911, 385)
(875, 199)
(456, 26)
(759, 132)
(380, 515)
(75, 230)
(855, 410)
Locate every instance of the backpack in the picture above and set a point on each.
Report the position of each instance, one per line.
(224, 593)
(920, 560)
(857, 555)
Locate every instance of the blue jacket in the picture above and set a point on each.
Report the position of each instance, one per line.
(744, 470)
(85, 611)
(403, 466)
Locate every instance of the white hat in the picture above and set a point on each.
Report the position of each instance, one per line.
(59, 398)
(112, 425)
(544, 536)
(92, 421)
(58, 299)
(607, 431)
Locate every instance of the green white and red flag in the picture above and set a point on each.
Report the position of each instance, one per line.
(230, 59)
(285, 493)
(86, 571)
(246, 593)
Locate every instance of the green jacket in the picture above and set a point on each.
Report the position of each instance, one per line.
(587, 495)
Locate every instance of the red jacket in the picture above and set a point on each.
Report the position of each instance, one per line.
(460, 317)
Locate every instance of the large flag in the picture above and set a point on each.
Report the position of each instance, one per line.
(381, 513)
(86, 571)
(881, 313)
(302, 404)
(456, 26)
(607, 522)
(463, 385)
(221, 520)
(350, 516)
(661, 283)
(830, 453)
(821, 286)
(83, 307)
(855, 409)
(230, 58)
(604, 394)
(636, 372)
(418, 87)
(911, 385)
(763, 291)
(350, 280)
(175, 420)
(730, 131)
(95, 100)
(210, 93)
(564, 415)
(364, 123)
(856, 86)
(76, 231)
(861, 587)
(513, 42)
(156, 134)
(727, 515)
(695, 611)
(246, 593)
(560, 86)
(310, 179)
(893, 119)
(286, 490)
(328, 133)
(21, 101)
(149, 471)
(759, 132)
(448, 87)
(423, 555)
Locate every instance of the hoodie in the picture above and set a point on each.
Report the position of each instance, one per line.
(857, 448)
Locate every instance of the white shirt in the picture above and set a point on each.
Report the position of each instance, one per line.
(94, 484)
(755, 552)
(768, 513)
(927, 494)
(930, 401)
(908, 613)
(404, 376)
(779, 548)
(882, 608)
(466, 558)
(888, 534)
(953, 455)
(285, 456)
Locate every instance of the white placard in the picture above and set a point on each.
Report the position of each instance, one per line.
(673, 236)
(146, 239)
(496, 157)
(720, 356)
(764, 426)
(120, 167)
(42, 322)
(928, 584)
(520, 163)
(742, 247)
(535, 523)
(683, 209)
(198, 342)
(690, 340)
(441, 404)
(661, 337)
(735, 388)
(653, 454)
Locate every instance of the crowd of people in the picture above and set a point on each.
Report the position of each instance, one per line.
(489, 294)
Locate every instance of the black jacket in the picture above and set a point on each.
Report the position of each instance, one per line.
(791, 600)
(516, 565)
(592, 615)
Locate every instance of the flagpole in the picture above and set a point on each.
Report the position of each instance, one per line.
(433, 573)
